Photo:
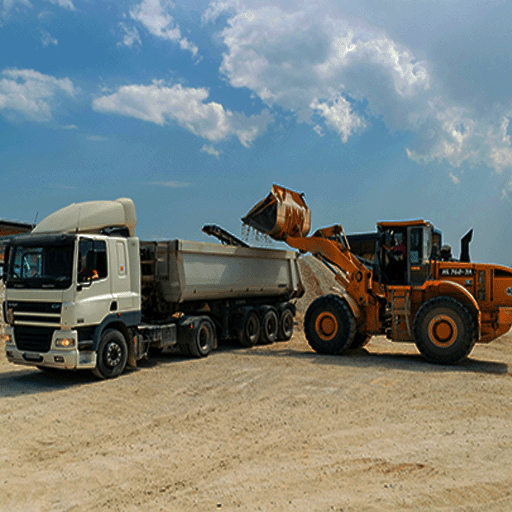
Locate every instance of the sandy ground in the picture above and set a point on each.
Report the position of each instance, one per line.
(273, 428)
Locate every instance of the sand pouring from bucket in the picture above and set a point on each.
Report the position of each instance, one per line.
(281, 214)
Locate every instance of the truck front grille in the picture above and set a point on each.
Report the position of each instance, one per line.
(42, 313)
(33, 339)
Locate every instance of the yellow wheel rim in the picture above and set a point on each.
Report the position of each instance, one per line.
(442, 330)
(326, 325)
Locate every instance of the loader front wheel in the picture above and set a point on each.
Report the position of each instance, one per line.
(444, 330)
(329, 325)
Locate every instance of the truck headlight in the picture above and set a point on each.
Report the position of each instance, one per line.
(8, 339)
(64, 342)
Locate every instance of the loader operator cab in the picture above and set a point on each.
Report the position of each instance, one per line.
(404, 251)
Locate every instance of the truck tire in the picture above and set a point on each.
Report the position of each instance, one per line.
(361, 339)
(444, 330)
(112, 355)
(202, 337)
(269, 325)
(249, 333)
(329, 325)
(285, 331)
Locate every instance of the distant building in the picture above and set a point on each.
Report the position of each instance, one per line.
(8, 229)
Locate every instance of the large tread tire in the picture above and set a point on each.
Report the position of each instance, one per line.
(112, 355)
(329, 325)
(444, 330)
(202, 337)
(285, 331)
(269, 325)
(361, 339)
(249, 333)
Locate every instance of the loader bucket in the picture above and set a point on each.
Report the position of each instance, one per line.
(282, 213)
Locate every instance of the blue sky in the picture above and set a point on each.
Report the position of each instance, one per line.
(376, 109)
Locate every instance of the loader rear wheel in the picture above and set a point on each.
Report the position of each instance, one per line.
(269, 325)
(444, 330)
(329, 325)
(249, 334)
(112, 355)
(285, 325)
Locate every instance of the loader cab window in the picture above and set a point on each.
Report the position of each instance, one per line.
(419, 251)
(394, 257)
(92, 260)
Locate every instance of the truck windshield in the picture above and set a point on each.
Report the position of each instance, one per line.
(40, 266)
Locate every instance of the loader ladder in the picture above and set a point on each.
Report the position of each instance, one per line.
(401, 313)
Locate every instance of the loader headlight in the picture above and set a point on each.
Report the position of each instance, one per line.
(64, 342)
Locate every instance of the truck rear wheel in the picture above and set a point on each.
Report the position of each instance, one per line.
(444, 330)
(329, 325)
(285, 325)
(269, 325)
(249, 333)
(112, 355)
(202, 337)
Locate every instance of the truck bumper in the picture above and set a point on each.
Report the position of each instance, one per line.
(64, 358)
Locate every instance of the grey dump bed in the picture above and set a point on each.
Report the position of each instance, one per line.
(185, 271)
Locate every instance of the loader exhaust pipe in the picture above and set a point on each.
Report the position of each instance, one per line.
(281, 214)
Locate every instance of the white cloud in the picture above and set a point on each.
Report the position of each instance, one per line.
(170, 184)
(210, 150)
(131, 36)
(31, 94)
(311, 58)
(47, 39)
(155, 16)
(97, 138)
(160, 104)
(67, 4)
(9, 5)
(339, 116)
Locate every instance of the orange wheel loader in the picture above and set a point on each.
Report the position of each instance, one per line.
(400, 282)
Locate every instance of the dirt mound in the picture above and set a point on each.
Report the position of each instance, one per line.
(318, 280)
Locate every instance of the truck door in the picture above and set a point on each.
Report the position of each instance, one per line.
(120, 276)
(419, 247)
(94, 296)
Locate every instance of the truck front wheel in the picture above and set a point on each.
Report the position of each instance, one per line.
(444, 330)
(329, 325)
(112, 355)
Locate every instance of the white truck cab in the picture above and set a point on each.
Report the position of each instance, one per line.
(74, 277)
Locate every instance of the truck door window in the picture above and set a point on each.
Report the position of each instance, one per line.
(92, 260)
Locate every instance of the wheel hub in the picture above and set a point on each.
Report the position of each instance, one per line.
(326, 326)
(113, 355)
(442, 330)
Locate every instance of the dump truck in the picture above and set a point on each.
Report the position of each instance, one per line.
(400, 281)
(82, 292)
